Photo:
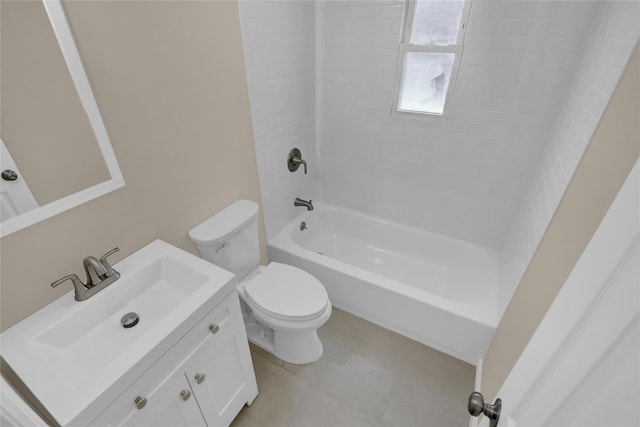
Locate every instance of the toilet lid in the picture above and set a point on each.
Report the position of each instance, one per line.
(286, 291)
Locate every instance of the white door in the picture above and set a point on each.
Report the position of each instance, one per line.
(582, 365)
(15, 196)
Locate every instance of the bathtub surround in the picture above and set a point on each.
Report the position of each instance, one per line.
(465, 173)
(534, 79)
(169, 80)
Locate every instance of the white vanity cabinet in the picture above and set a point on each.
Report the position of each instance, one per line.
(176, 408)
(80, 365)
(204, 379)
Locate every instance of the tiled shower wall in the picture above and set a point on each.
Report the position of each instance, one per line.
(534, 79)
(458, 175)
(603, 56)
(463, 174)
(279, 50)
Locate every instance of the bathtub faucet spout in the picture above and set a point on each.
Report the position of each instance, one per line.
(306, 204)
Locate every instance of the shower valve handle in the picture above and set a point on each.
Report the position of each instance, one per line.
(294, 160)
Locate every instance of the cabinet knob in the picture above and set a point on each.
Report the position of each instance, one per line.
(214, 328)
(9, 175)
(199, 378)
(185, 395)
(140, 402)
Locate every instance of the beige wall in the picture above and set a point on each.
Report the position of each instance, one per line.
(169, 79)
(607, 161)
(44, 125)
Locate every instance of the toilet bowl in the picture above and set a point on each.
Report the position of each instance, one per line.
(290, 305)
(283, 306)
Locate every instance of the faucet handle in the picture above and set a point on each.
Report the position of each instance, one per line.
(294, 160)
(77, 283)
(103, 260)
(304, 163)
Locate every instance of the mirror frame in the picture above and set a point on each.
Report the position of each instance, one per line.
(62, 31)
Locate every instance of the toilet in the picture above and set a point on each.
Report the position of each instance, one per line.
(283, 306)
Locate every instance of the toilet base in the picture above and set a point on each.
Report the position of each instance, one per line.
(298, 346)
(259, 334)
(299, 349)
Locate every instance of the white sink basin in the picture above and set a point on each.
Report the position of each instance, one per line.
(92, 335)
(69, 353)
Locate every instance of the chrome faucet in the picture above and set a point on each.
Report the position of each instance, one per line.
(306, 204)
(100, 274)
(95, 271)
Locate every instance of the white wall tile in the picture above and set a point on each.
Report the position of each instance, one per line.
(476, 114)
(590, 86)
(280, 56)
(534, 80)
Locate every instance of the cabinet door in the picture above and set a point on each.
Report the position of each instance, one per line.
(176, 408)
(220, 371)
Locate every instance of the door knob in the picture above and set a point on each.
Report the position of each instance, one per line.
(185, 395)
(476, 406)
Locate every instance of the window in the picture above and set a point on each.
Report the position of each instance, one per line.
(429, 54)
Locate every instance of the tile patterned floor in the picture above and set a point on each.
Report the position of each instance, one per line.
(367, 376)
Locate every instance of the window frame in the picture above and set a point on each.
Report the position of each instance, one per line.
(406, 47)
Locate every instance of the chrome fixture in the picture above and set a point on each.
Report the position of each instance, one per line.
(306, 204)
(100, 274)
(476, 406)
(9, 175)
(129, 320)
(140, 402)
(294, 160)
(94, 270)
(303, 226)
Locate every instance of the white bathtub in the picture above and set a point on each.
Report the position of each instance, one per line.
(434, 289)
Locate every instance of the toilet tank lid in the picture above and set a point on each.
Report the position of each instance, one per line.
(225, 222)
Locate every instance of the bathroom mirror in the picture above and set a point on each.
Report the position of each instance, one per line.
(51, 130)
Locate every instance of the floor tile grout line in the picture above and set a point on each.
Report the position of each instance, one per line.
(372, 346)
(399, 374)
(381, 329)
(311, 385)
(267, 359)
(355, 352)
(395, 375)
(306, 393)
(385, 364)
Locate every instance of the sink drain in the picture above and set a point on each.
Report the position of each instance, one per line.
(130, 320)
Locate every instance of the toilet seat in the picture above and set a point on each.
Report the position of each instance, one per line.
(287, 293)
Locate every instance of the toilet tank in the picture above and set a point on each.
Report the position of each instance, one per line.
(229, 239)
